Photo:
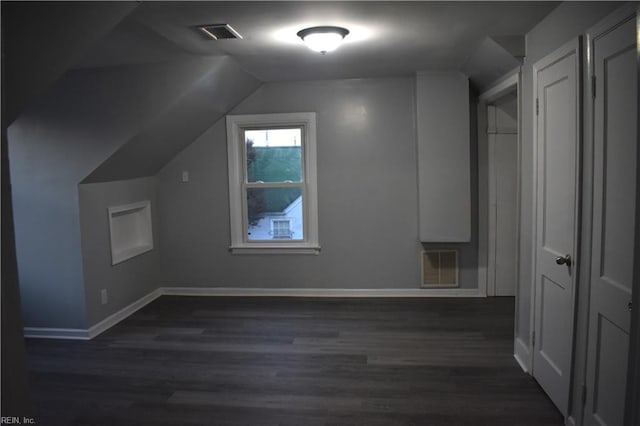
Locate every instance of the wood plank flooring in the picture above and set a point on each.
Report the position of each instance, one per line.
(293, 361)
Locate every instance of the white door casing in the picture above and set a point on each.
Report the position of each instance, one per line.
(557, 153)
(614, 197)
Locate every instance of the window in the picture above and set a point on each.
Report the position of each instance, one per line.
(281, 228)
(272, 183)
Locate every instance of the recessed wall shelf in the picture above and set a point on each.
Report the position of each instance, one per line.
(130, 230)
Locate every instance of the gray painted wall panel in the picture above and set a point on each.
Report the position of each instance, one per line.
(130, 280)
(444, 182)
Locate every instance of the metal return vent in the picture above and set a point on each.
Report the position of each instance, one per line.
(219, 31)
(440, 268)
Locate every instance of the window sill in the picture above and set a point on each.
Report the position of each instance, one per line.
(275, 249)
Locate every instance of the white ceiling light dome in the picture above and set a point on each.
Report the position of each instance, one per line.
(323, 39)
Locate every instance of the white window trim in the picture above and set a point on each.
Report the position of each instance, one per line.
(239, 243)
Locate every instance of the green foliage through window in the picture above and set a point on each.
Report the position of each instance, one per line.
(272, 165)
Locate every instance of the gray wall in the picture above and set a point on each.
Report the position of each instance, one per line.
(444, 192)
(46, 217)
(127, 281)
(55, 144)
(367, 191)
(563, 24)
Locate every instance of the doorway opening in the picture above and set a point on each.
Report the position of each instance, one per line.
(499, 205)
(499, 190)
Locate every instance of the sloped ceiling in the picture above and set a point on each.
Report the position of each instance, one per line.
(481, 39)
(489, 62)
(156, 96)
(42, 40)
(210, 85)
(131, 43)
(222, 86)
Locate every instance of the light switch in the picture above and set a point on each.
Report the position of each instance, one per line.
(185, 176)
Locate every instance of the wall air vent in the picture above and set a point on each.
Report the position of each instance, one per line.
(440, 268)
(218, 31)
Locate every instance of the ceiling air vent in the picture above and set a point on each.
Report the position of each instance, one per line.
(219, 31)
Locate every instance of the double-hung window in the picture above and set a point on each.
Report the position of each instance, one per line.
(272, 183)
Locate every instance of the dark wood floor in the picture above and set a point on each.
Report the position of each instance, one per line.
(293, 361)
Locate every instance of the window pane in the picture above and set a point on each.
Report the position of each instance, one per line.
(274, 214)
(273, 155)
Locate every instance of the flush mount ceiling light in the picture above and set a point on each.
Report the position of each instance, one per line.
(323, 39)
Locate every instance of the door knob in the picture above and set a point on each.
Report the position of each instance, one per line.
(564, 260)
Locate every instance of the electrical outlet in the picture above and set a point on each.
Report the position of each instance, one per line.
(104, 297)
(185, 176)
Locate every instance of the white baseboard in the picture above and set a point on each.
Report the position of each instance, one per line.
(522, 354)
(320, 292)
(110, 321)
(96, 329)
(123, 313)
(57, 333)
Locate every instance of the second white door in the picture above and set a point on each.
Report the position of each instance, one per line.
(614, 199)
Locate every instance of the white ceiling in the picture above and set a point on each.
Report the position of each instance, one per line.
(387, 38)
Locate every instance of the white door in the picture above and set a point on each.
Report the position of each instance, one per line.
(615, 144)
(503, 166)
(557, 154)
